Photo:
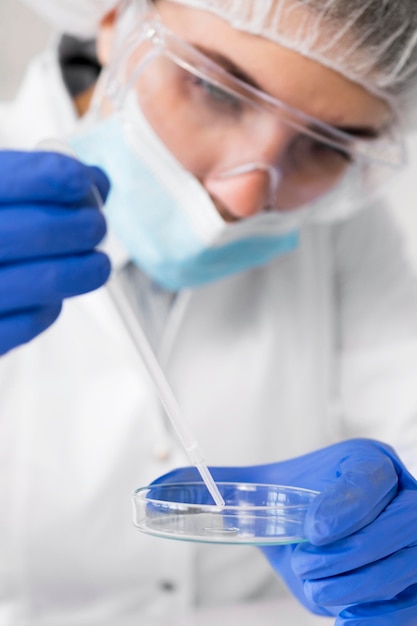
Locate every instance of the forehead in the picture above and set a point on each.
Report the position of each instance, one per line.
(299, 81)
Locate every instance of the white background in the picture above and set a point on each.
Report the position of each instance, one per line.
(22, 33)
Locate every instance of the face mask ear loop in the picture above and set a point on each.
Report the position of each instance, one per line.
(274, 174)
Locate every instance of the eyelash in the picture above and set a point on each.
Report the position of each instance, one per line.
(345, 154)
(304, 147)
(217, 96)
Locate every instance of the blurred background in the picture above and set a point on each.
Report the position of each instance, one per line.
(23, 33)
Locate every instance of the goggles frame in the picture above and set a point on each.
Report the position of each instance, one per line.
(387, 149)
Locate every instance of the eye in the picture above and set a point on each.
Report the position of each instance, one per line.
(215, 96)
(308, 152)
(324, 149)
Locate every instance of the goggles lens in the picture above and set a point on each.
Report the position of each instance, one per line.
(220, 128)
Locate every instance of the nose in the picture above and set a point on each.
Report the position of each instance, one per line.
(245, 190)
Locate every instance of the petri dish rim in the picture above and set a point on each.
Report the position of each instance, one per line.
(284, 489)
(240, 523)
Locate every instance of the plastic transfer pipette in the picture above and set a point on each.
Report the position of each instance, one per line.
(163, 388)
(150, 361)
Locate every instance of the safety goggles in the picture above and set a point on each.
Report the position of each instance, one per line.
(219, 127)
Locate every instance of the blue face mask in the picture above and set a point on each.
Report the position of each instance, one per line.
(165, 219)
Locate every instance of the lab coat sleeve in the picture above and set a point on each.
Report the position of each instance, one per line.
(377, 300)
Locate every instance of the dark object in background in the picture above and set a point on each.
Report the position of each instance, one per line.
(79, 64)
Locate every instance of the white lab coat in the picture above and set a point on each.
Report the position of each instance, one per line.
(317, 346)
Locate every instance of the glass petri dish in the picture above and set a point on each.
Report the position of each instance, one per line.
(253, 514)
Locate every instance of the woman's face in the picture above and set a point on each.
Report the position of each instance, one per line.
(299, 82)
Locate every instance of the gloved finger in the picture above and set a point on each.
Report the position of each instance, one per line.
(220, 474)
(47, 177)
(26, 285)
(175, 486)
(315, 470)
(23, 326)
(31, 232)
(395, 528)
(279, 557)
(366, 484)
(400, 611)
(166, 486)
(192, 492)
(178, 475)
(377, 582)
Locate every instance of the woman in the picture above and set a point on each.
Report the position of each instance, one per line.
(241, 140)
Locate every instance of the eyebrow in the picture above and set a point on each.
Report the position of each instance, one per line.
(228, 65)
(361, 132)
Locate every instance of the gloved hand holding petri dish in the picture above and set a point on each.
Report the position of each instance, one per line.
(317, 498)
(356, 532)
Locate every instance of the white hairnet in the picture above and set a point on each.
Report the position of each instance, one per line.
(372, 42)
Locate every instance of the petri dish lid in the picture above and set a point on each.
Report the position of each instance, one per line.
(255, 514)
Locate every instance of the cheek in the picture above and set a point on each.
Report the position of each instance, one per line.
(297, 190)
(170, 119)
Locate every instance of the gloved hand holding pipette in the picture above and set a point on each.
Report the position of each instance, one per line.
(360, 562)
(49, 227)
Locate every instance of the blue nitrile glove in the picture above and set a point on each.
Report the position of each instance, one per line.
(49, 227)
(360, 562)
